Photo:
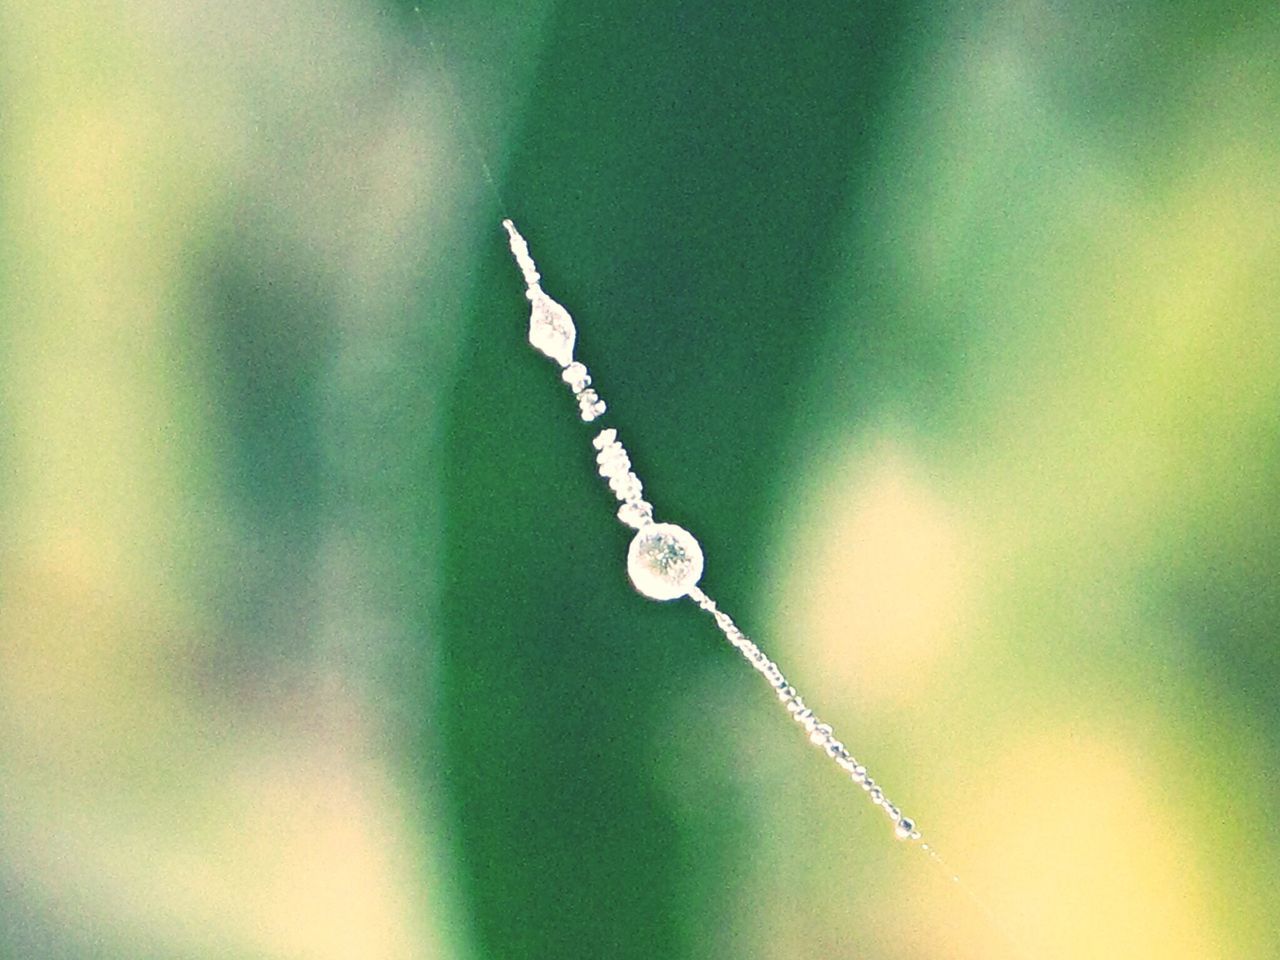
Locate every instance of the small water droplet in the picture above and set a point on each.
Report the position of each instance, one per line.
(636, 513)
(576, 376)
(610, 456)
(590, 405)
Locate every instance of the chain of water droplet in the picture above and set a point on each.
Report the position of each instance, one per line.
(615, 466)
(552, 331)
(820, 734)
(520, 250)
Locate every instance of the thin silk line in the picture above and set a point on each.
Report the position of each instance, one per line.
(461, 120)
(820, 734)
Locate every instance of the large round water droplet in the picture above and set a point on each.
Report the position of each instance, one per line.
(664, 561)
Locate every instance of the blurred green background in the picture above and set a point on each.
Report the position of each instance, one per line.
(950, 329)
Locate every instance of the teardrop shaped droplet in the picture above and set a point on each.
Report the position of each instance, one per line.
(551, 330)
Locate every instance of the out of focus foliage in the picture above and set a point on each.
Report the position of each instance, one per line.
(950, 329)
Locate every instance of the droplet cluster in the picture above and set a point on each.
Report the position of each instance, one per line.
(820, 734)
(615, 466)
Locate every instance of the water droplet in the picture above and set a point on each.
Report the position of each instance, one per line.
(664, 561)
(905, 830)
(819, 733)
(590, 405)
(610, 455)
(605, 437)
(576, 376)
(636, 513)
(624, 485)
(551, 330)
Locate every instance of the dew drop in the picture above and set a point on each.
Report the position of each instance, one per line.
(664, 561)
